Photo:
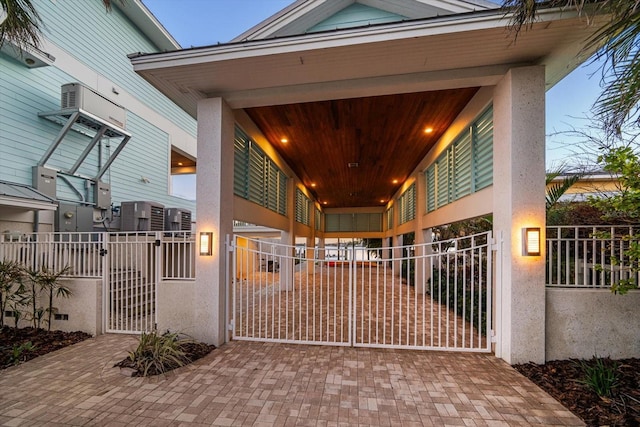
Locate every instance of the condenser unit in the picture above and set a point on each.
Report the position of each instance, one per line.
(76, 95)
(141, 216)
(177, 219)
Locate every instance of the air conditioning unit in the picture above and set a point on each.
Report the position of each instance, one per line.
(76, 95)
(141, 216)
(177, 219)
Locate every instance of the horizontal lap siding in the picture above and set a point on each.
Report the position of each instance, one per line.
(105, 42)
(24, 137)
(110, 37)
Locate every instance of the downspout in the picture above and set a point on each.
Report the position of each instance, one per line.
(36, 221)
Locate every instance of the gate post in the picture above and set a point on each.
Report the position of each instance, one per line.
(214, 207)
(518, 202)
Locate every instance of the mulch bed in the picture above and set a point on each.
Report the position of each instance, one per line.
(561, 379)
(14, 347)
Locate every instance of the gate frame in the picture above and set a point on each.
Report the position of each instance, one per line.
(491, 279)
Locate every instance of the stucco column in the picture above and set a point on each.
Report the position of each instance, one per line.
(518, 201)
(214, 206)
(288, 239)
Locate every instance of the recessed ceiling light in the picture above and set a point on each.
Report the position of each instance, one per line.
(179, 163)
(395, 181)
(324, 203)
(428, 130)
(382, 201)
(284, 140)
(313, 184)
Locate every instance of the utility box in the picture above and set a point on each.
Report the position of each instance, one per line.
(102, 195)
(74, 218)
(141, 216)
(177, 219)
(44, 180)
(76, 95)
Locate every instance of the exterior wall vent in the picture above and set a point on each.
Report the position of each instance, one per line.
(141, 216)
(76, 95)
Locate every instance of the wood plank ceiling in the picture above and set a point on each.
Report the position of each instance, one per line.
(358, 152)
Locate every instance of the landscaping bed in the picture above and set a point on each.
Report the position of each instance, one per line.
(563, 379)
(15, 347)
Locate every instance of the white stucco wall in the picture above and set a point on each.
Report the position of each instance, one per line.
(583, 323)
(174, 306)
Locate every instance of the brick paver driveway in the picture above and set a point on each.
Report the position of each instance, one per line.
(244, 383)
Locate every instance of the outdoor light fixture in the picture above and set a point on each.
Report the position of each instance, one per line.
(531, 240)
(206, 243)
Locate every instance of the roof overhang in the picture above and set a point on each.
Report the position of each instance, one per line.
(25, 197)
(464, 50)
(142, 17)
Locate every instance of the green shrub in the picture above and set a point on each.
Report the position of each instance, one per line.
(600, 375)
(454, 287)
(156, 354)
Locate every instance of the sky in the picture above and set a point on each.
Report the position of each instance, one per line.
(196, 23)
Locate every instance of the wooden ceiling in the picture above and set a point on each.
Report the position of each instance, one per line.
(358, 152)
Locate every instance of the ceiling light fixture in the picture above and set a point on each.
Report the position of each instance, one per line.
(395, 181)
(313, 184)
(284, 140)
(428, 130)
(179, 163)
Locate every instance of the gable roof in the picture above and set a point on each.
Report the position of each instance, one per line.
(302, 15)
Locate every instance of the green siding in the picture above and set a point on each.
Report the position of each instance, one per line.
(105, 41)
(256, 178)
(463, 168)
(353, 222)
(102, 41)
(356, 15)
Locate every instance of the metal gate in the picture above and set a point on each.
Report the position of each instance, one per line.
(432, 296)
(131, 271)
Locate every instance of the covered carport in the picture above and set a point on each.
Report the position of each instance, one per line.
(355, 117)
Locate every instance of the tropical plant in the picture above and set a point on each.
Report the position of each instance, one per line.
(156, 354)
(48, 281)
(555, 190)
(22, 24)
(600, 375)
(17, 352)
(11, 274)
(617, 45)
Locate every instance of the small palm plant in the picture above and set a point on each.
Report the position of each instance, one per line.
(48, 281)
(11, 288)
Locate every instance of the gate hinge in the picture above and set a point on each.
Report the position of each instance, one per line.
(230, 248)
(231, 325)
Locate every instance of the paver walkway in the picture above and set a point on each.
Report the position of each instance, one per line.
(245, 383)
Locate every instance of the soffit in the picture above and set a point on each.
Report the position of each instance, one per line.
(358, 152)
(243, 72)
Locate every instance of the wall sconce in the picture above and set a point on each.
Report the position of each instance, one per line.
(206, 243)
(531, 241)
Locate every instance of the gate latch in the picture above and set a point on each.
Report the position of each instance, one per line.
(103, 251)
(156, 243)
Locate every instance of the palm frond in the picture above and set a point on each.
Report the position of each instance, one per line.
(22, 24)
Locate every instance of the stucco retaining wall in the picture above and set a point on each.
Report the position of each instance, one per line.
(583, 323)
(175, 306)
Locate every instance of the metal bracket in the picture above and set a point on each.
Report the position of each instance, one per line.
(103, 252)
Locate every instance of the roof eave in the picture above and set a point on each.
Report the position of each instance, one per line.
(142, 17)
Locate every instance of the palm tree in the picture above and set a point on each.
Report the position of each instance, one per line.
(617, 43)
(21, 24)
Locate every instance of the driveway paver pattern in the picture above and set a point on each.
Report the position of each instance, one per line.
(264, 384)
